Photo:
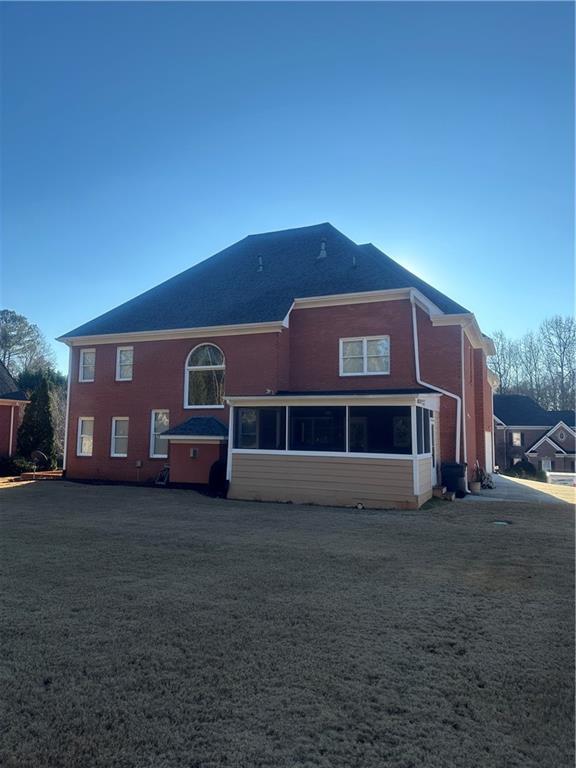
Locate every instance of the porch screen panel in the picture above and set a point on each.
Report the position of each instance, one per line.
(380, 429)
(260, 428)
(317, 428)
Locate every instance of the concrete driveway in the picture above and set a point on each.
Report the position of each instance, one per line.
(528, 491)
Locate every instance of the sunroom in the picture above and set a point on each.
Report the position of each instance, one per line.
(376, 449)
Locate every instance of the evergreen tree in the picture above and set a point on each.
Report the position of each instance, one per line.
(36, 432)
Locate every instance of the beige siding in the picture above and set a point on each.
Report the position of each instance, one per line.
(424, 468)
(336, 480)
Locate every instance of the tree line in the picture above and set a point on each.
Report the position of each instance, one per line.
(541, 364)
(29, 359)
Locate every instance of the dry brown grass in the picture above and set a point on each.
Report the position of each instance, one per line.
(155, 628)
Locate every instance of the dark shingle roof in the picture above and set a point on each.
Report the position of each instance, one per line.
(228, 289)
(199, 426)
(523, 411)
(8, 387)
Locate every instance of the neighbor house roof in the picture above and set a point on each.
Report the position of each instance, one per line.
(8, 387)
(257, 279)
(521, 410)
(198, 426)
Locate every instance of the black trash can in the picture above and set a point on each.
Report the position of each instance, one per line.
(453, 475)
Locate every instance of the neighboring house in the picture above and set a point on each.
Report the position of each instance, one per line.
(319, 370)
(12, 403)
(525, 430)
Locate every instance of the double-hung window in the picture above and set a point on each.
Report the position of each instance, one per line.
(517, 439)
(87, 365)
(85, 442)
(119, 442)
(365, 356)
(159, 422)
(124, 363)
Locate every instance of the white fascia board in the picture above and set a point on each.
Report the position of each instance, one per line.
(365, 297)
(562, 425)
(174, 333)
(12, 401)
(431, 401)
(499, 420)
(193, 439)
(543, 439)
(468, 322)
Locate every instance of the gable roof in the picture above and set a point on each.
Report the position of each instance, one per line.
(229, 289)
(523, 411)
(545, 439)
(8, 387)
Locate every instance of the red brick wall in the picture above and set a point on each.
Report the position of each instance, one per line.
(314, 345)
(158, 383)
(5, 417)
(185, 469)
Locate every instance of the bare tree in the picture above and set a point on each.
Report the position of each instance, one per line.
(558, 336)
(22, 345)
(505, 362)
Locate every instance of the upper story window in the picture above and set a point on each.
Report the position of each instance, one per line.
(124, 363)
(87, 365)
(365, 356)
(204, 383)
(119, 442)
(85, 441)
(517, 439)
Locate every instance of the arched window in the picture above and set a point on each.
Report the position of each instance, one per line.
(204, 383)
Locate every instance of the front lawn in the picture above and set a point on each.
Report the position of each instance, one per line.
(155, 628)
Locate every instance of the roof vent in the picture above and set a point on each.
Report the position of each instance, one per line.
(322, 254)
(260, 264)
(354, 265)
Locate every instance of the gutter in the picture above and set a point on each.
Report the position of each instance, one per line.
(433, 386)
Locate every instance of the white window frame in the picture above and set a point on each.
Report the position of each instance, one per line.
(364, 340)
(113, 436)
(514, 443)
(80, 435)
(118, 351)
(188, 368)
(153, 434)
(82, 365)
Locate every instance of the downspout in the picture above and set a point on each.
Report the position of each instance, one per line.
(67, 409)
(462, 377)
(10, 451)
(433, 386)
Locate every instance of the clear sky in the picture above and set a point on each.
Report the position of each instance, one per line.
(140, 138)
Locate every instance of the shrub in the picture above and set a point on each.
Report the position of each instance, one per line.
(14, 465)
(524, 469)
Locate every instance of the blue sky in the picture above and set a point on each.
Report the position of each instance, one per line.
(140, 138)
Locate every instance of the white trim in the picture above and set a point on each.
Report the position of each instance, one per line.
(562, 424)
(193, 439)
(67, 417)
(113, 436)
(79, 436)
(364, 297)
(11, 430)
(12, 401)
(124, 349)
(433, 386)
(230, 444)
(464, 412)
(188, 368)
(414, 439)
(364, 340)
(81, 365)
(209, 331)
(153, 434)
(198, 407)
(542, 439)
(335, 454)
(469, 325)
(430, 400)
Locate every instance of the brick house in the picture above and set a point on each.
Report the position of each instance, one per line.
(12, 404)
(525, 430)
(315, 369)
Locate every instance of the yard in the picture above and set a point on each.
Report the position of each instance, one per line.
(155, 628)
